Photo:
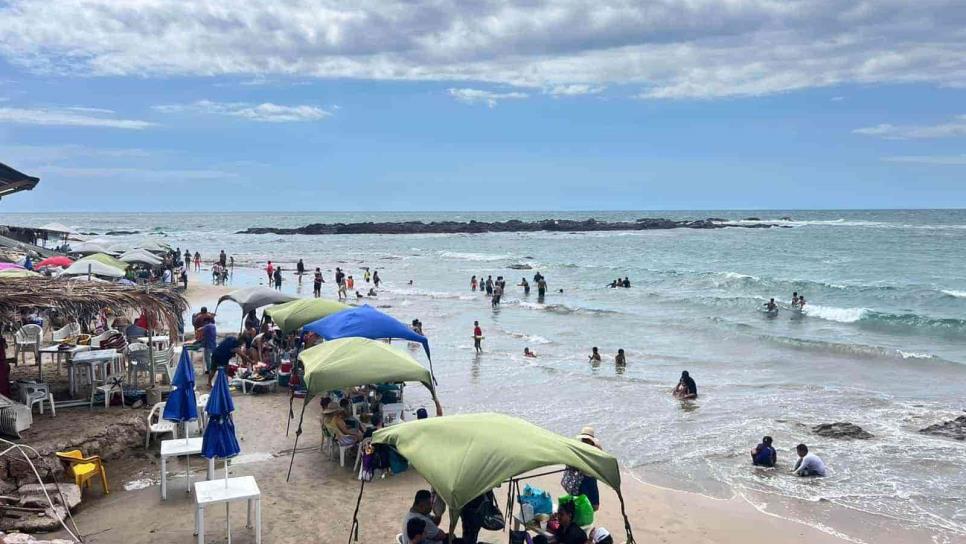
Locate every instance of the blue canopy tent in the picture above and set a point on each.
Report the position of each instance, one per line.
(367, 322)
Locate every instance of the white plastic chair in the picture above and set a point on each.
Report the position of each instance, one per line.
(69, 330)
(163, 362)
(202, 415)
(399, 538)
(27, 338)
(36, 393)
(137, 361)
(161, 427)
(114, 386)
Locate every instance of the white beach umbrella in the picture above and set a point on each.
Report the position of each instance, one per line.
(88, 247)
(58, 227)
(140, 256)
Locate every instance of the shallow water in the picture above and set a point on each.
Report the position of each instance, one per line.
(882, 344)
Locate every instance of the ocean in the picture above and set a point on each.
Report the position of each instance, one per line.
(882, 344)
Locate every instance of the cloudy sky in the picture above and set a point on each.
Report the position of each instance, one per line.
(448, 105)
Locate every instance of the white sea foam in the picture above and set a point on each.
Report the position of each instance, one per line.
(913, 355)
(477, 257)
(831, 313)
(954, 293)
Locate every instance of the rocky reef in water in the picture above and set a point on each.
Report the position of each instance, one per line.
(513, 225)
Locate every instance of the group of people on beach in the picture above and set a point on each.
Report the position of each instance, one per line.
(495, 289)
(808, 464)
(420, 525)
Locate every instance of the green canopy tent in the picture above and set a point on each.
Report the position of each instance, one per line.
(289, 316)
(349, 362)
(104, 258)
(465, 456)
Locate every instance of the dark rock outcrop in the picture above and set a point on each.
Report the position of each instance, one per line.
(841, 430)
(954, 428)
(513, 225)
(121, 232)
(520, 267)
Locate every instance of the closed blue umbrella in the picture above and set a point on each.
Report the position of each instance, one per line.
(182, 405)
(219, 439)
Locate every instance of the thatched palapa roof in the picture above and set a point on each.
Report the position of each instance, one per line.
(85, 299)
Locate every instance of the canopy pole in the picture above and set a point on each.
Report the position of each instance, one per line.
(291, 414)
(627, 522)
(453, 516)
(354, 528)
(298, 433)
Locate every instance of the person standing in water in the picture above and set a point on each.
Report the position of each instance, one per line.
(376, 280)
(541, 287)
(231, 264)
(771, 306)
(300, 269)
(594, 356)
(477, 337)
(317, 283)
(197, 261)
(278, 279)
(620, 360)
(473, 284)
(794, 299)
(222, 258)
(528, 353)
(526, 286)
(497, 294)
(270, 270)
(489, 285)
(686, 388)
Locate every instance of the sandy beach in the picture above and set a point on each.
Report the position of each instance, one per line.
(317, 504)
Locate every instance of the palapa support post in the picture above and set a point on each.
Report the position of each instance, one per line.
(453, 516)
(354, 528)
(298, 433)
(291, 414)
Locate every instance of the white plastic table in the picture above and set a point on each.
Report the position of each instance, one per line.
(93, 358)
(176, 448)
(243, 488)
(58, 353)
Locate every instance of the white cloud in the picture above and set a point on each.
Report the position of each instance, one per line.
(576, 89)
(265, 112)
(938, 160)
(668, 48)
(135, 174)
(68, 117)
(956, 127)
(479, 96)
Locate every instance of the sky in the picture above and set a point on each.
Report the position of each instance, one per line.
(211, 105)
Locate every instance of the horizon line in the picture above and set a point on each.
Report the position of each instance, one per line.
(77, 212)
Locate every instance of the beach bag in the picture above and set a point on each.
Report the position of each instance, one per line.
(537, 498)
(397, 463)
(571, 480)
(583, 510)
(491, 518)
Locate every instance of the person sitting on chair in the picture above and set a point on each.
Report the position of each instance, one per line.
(422, 510)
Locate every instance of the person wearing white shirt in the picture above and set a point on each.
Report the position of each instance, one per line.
(808, 464)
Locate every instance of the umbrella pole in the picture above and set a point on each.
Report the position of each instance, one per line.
(627, 522)
(298, 433)
(291, 416)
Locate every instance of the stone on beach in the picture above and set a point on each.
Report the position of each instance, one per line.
(954, 428)
(841, 429)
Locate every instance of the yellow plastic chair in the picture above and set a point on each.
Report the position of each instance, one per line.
(84, 468)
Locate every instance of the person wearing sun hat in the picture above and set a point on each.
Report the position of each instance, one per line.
(588, 485)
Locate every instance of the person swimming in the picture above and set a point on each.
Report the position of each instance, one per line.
(771, 306)
(801, 302)
(794, 299)
(528, 353)
(686, 388)
(627, 282)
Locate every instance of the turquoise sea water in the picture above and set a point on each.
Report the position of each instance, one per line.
(883, 344)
